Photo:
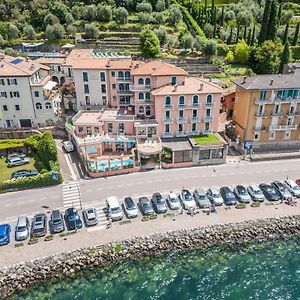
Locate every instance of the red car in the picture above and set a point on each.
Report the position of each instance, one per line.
(297, 181)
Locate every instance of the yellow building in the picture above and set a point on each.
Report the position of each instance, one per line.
(267, 111)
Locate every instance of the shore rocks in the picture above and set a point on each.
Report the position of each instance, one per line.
(19, 277)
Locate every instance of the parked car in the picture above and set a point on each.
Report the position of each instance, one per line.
(72, 219)
(22, 229)
(282, 189)
(256, 193)
(293, 188)
(297, 181)
(57, 222)
(130, 208)
(270, 193)
(159, 204)
(214, 196)
(24, 173)
(173, 201)
(114, 208)
(201, 198)
(228, 196)
(4, 234)
(187, 199)
(15, 154)
(68, 146)
(145, 206)
(39, 225)
(17, 161)
(242, 194)
(90, 216)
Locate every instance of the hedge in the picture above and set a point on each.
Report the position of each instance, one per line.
(12, 143)
(295, 52)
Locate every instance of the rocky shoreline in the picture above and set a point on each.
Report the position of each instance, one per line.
(21, 276)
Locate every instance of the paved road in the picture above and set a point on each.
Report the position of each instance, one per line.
(95, 191)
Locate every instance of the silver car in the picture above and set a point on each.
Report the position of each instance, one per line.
(214, 196)
(173, 201)
(90, 216)
(293, 188)
(256, 193)
(282, 189)
(130, 208)
(22, 229)
(242, 194)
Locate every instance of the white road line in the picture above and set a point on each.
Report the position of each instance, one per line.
(73, 175)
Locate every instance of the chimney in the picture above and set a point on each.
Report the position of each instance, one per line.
(244, 79)
(271, 82)
(201, 87)
(174, 87)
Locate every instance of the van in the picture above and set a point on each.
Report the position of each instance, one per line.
(22, 229)
(114, 208)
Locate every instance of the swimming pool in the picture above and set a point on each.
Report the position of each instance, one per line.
(115, 164)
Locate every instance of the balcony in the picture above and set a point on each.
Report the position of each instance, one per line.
(139, 87)
(123, 79)
(142, 101)
(284, 127)
(277, 100)
(181, 120)
(261, 114)
(168, 135)
(207, 118)
(259, 129)
(168, 106)
(180, 134)
(125, 92)
(195, 105)
(209, 104)
(182, 105)
(194, 119)
(294, 113)
(277, 114)
(168, 120)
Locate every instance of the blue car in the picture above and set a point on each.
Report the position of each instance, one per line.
(4, 234)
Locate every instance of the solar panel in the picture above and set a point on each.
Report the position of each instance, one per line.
(16, 61)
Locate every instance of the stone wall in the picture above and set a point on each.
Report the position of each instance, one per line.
(19, 277)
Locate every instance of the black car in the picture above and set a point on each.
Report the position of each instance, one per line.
(72, 219)
(270, 193)
(56, 222)
(228, 196)
(159, 204)
(145, 206)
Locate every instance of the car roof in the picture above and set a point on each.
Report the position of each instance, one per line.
(22, 220)
(67, 143)
(240, 187)
(226, 189)
(113, 201)
(200, 191)
(144, 199)
(172, 195)
(14, 159)
(56, 213)
(214, 189)
(254, 186)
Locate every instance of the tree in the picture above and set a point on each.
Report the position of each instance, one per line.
(285, 57)
(208, 30)
(144, 18)
(50, 19)
(199, 43)
(91, 31)
(249, 37)
(296, 35)
(161, 33)
(273, 21)
(13, 31)
(172, 42)
(76, 12)
(287, 16)
(222, 16)
(58, 31)
(265, 22)
(104, 13)
(237, 34)
(2, 41)
(160, 5)
(120, 15)
(244, 17)
(71, 30)
(158, 18)
(229, 41)
(89, 13)
(242, 52)
(229, 15)
(187, 41)
(175, 15)
(10, 52)
(253, 36)
(144, 7)
(49, 32)
(229, 57)
(59, 9)
(30, 32)
(69, 18)
(149, 43)
(210, 48)
(286, 34)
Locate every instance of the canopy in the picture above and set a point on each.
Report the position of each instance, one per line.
(31, 45)
(50, 85)
(67, 46)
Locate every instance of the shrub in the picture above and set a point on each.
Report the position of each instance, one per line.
(199, 43)
(187, 41)
(209, 30)
(91, 31)
(158, 18)
(161, 33)
(295, 52)
(144, 7)
(144, 18)
(13, 31)
(210, 48)
(120, 15)
(149, 43)
(240, 206)
(12, 143)
(175, 15)
(160, 5)
(30, 32)
(222, 49)
(104, 13)
(229, 57)
(242, 52)
(2, 41)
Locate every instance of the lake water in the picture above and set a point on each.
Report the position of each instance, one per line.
(255, 271)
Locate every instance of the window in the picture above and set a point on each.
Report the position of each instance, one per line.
(3, 95)
(272, 135)
(127, 75)
(2, 82)
(180, 128)
(86, 88)
(276, 109)
(17, 107)
(217, 153)
(287, 135)
(195, 113)
(121, 128)
(194, 126)
(147, 96)
(110, 127)
(148, 111)
(263, 95)
(147, 82)
(167, 128)
(58, 68)
(120, 74)
(12, 81)
(260, 109)
(48, 105)
(141, 81)
(209, 99)
(208, 112)
(80, 129)
(114, 86)
(121, 86)
(168, 101)
(206, 126)
(292, 109)
(204, 154)
(87, 100)
(290, 120)
(102, 76)
(36, 94)
(180, 114)
(5, 108)
(181, 100)
(103, 88)
(113, 74)
(96, 130)
(173, 80)
(256, 136)
(141, 109)
(168, 114)
(104, 100)
(14, 94)
(195, 99)
(38, 105)
(141, 96)
(85, 76)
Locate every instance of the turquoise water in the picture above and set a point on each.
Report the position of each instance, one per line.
(257, 271)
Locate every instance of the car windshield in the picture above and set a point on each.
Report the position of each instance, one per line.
(173, 199)
(230, 195)
(115, 209)
(296, 188)
(242, 191)
(56, 221)
(146, 204)
(216, 195)
(130, 205)
(271, 191)
(160, 200)
(187, 196)
(21, 228)
(257, 192)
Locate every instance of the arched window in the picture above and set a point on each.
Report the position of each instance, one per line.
(127, 86)
(148, 111)
(195, 99)
(168, 101)
(38, 105)
(141, 96)
(209, 99)
(141, 110)
(147, 96)
(120, 74)
(121, 86)
(48, 105)
(141, 81)
(127, 74)
(147, 81)
(181, 100)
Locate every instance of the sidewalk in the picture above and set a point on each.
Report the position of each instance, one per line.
(273, 156)
(119, 231)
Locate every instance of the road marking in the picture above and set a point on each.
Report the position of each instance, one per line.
(73, 175)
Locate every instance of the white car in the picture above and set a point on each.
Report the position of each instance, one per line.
(293, 188)
(130, 208)
(173, 201)
(68, 146)
(187, 199)
(242, 194)
(114, 208)
(214, 196)
(17, 161)
(256, 193)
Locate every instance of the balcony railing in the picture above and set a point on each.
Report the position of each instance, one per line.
(180, 133)
(139, 87)
(181, 120)
(261, 114)
(142, 101)
(167, 135)
(124, 79)
(182, 105)
(284, 127)
(277, 113)
(209, 104)
(125, 92)
(170, 106)
(195, 104)
(294, 113)
(277, 100)
(194, 119)
(168, 120)
(259, 129)
(207, 118)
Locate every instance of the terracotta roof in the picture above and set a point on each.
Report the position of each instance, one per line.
(75, 54)
(103, 63)
(19, 66)
(42, 82)
(51, 60)
(192, 85)
(157, 68)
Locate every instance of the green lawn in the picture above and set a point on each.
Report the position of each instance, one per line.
(5, 172)
(210, 139)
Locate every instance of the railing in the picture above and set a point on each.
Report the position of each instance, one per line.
(195, 104)
(261, 114)
(284, 127)
(293, 113)
(168, 120)
(207, 118)
(138, 88)
(182, 105)
(123, 79)
(194, 119)
(276, 100)
(209, 104)
(167, 134)
(193, 132)
(262, 128)
(125, 92)
(181, 120)
(169, 106)
(277, 113)
(142, 101)
(180, 133)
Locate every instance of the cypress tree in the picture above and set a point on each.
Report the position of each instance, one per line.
(265, 22)
(285, 36)
(212, 5)
(222, 16)
(249, 37)
(205, 7)
(296, 35)
(237, 34)
(285, 57)
(279, 12)
(245, 33)
(215, 21)
(253, 36)
(230, 37)
(273, 23)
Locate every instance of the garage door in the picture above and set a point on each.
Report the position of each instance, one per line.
(25, 123)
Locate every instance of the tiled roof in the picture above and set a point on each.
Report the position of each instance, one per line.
(51, 60)
(103, 63)
(157, 68)
(19, 66)
(76, 54)
(192, 85)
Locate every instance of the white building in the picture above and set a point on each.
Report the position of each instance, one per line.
(28, 97)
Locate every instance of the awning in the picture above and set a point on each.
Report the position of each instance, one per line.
(68, 46)
(50, 85)
(31, 45)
